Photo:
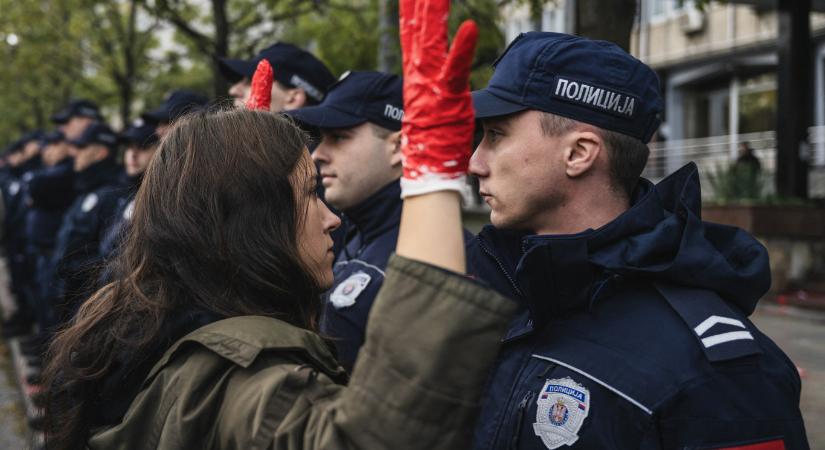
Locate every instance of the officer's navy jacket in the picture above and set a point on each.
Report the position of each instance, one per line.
(121, 222)
(50, 192)
(359, 270)
(636, 335)
(77, 250)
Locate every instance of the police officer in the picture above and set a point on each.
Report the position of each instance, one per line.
(77, 248)
(23, 159)
(301, 79)
(634, 329)
(50, 193)
(359, 162)
(141, 142)
(176, 104)
(75, 117)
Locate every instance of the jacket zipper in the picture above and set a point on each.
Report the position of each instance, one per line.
(500, 265)
(522, 408)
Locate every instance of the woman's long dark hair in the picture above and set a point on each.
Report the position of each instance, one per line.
(214, 228)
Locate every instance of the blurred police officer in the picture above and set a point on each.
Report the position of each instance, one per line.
(23, 160)
(75, 117)
(77, 248)
(141, 142)
(634, 329)
(50, 193)
(176, 104)
(359, 162)
(301, 79)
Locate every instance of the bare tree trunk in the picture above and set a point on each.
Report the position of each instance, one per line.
(388, 54)
(609, 21)
(537, 14)
(222, 30)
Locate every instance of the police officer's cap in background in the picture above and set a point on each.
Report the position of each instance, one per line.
(77, 108)
(356, 98)
(291, 66)
(98, 133)
(595, 82)
(175, 105)
(52, 137)
(141, 133)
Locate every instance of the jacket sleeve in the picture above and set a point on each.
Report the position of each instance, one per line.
(418, 380)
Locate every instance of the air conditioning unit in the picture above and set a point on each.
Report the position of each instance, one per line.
(692, 20)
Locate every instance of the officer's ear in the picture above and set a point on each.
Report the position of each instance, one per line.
(582, 148)
(295, 98)
(393, 143)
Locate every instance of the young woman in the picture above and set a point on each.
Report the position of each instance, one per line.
(208, 338)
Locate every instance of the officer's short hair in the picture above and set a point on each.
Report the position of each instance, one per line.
(627, 155)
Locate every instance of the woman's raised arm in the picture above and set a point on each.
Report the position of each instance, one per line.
(437, 133)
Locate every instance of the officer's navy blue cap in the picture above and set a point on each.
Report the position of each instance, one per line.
(77, 108)
(96, 133)
(595, 82)
(140, 132)
(175, 105)
(292, 66)
(356, 98)
(52, 137)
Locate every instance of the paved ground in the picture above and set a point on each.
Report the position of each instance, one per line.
(13, 430)
(801, 334)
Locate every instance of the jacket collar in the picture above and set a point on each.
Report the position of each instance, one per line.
(378, 213)
(241, 339)
(660, 237)
(94, 176)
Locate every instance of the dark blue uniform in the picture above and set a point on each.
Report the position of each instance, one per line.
(636, 335)
(359, 270)
(15, 238)
(121, 220)
(50, 193)
(77, 250)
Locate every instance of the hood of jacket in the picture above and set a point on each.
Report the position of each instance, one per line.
(661, 237)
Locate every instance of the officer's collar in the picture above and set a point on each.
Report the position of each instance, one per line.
(555, 272)
(94, 176)
(378, 213)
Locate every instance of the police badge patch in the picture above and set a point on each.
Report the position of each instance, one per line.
(562, 406)
(89, 202)
(345, 294)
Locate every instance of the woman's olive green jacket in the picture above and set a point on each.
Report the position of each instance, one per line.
(255, 382)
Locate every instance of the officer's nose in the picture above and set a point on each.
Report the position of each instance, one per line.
(478, 164)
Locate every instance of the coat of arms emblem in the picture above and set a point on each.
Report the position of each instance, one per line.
(562, 406)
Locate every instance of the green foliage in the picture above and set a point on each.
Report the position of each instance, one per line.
(737, 184)
(116, 52)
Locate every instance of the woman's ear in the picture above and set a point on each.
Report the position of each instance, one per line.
(581, 150)
(393, 142)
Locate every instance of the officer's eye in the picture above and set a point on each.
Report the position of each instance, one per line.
(493, 134)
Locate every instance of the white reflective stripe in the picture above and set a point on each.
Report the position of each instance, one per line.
(713, 320)
(709, 342)
(615, 391)
(358, 261)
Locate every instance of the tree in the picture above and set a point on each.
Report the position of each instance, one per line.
(38, 72)
(118, 49)
(228, 27)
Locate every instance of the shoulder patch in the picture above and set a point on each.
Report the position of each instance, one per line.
(89, 202)
(345, 293)
(721, 332)
(562, 406)
(129, 210)
(14, 188)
